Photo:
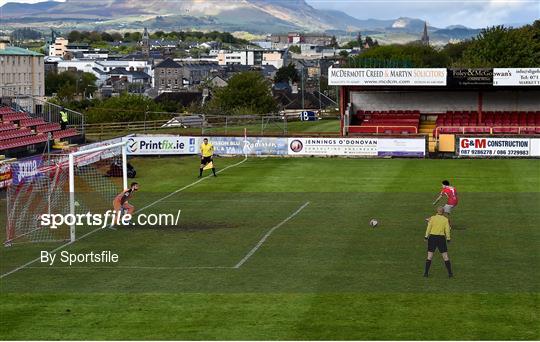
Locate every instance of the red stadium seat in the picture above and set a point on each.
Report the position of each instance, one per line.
(32, 122)
(49, 127)
(70, 132)
(16, 133)
(7, 126)
(24, 141)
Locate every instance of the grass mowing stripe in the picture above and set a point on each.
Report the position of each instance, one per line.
(189, 186)
(95, 230)
(134, 267)
(259, 244)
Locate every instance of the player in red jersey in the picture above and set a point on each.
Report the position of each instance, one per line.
(451, 195)
(121, 204)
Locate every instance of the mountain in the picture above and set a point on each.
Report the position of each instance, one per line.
(255, 16)
(15, 9)
(291, 14)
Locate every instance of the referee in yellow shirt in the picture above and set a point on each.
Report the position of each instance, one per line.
(437, 235)
(207, 153)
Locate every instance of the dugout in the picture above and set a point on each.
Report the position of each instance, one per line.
(468, 98)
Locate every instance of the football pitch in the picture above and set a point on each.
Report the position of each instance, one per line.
(281, 248)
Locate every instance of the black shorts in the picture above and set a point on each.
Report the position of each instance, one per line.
(206, 160)
(437, 242)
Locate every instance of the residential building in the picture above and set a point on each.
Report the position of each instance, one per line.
(101, 69)
(78, 47)
(59, 47)
(251, 57)
(168, 76)
(274, 58)
(21, 71)
(218, 82)
(173, 75)
(300, 38)
(131, 81)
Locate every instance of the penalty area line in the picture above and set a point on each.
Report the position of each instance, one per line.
(267, 235)
(95, 230)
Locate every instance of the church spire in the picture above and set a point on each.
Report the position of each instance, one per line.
(425, 36)
(146, 43)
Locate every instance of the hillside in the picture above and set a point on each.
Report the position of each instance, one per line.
(255, 16)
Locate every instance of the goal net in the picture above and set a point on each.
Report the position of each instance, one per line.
(77, 183)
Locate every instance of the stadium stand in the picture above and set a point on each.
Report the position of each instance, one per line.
(456, 122)
(451, 122)
(19, 130)
(386, 122)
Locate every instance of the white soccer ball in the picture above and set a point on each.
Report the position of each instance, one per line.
(373, 223)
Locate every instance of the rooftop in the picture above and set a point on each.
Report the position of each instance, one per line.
(17, 51)
(168, 63)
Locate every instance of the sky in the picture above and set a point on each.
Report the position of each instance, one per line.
(438, 13)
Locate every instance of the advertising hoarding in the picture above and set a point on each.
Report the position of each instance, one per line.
(471, 77)
(494, 147)
(387, 76)
(249, 146)
(401, 147)
(358, 147)
(5, 175)
(161, 145)
(516, 77)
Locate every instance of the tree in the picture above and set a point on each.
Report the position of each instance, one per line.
(455, 51)
(499, 46)
(286, 74)
(70, 83)
(94, 36)
(369, 41)
(106, 37)
(116, 36)
(246, 93)
(419, 56)
(344, 53)
(333, 42)
(74, 36)
(351, 44)
(24, 34)
(295, 49)
(124, 108)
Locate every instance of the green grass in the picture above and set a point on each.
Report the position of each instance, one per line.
(322, 275)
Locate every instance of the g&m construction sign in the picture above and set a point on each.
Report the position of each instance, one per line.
(495, 147)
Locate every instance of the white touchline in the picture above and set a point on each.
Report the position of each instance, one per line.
(95, 230)
(259, 244)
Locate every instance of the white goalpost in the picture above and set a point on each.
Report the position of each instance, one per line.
(77, 158)
(83, 181)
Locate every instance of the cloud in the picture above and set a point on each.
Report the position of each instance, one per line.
(440, 13)
(2, 2)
